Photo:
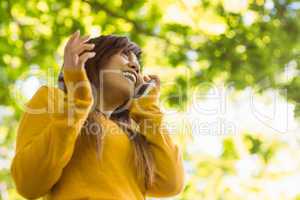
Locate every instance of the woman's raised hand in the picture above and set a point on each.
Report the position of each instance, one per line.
(73, 59)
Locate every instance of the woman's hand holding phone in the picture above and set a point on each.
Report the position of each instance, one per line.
(148, 82)
(146, 109)
(154, 93)
(153, 77)
(147, 103)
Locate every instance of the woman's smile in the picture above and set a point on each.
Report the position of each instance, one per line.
(129, 75)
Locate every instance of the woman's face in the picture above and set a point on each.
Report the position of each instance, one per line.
(120, 76)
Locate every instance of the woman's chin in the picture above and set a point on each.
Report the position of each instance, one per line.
(126, 92)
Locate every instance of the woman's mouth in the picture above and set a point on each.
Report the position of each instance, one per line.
(130, 76)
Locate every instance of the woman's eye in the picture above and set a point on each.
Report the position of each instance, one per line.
(125, 55)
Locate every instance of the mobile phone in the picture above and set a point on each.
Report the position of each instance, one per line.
(144, 89)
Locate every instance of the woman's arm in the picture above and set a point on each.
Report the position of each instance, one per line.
(46, 139)
(169, 174)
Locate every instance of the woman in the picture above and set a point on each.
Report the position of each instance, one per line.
(78, 141)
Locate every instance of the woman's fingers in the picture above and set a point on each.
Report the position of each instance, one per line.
(84, 57)
(84, 39)
(153, 77)
(82, 47)
(77, 40)
(72, 37)
(76, 46)
(79, 45)
(146, 77)
(150, 77)
(76, 37)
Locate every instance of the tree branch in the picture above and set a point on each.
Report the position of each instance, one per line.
(96, 6)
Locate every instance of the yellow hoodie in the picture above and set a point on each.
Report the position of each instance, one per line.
(54, 161)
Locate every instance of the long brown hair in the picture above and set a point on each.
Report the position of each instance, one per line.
(105, 47)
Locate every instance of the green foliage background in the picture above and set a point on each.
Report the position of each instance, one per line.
(236, 42)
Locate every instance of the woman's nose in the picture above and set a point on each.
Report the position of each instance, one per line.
(134, 66)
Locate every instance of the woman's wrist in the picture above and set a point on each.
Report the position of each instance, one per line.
(74, 75)
(77, 83)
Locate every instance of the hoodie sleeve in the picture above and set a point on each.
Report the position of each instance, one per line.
(169, 172)
(47, 133)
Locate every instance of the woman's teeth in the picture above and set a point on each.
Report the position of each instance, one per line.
(130, 76)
